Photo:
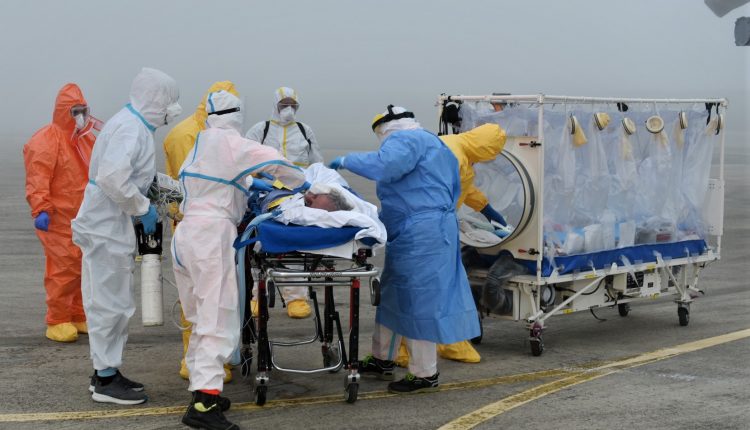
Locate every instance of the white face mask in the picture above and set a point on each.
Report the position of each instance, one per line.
(286, 115)
(173, 111)
(81, 121)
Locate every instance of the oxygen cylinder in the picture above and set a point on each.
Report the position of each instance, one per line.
(152, 300)
(152, 306)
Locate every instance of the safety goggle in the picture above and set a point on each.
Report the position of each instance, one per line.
(79, 110)
(283, 106)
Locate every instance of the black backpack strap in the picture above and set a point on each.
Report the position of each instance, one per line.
(265, 131)
(304, 134)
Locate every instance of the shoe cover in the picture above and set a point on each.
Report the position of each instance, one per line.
(298, 309)
(185, 373)
(65, 332)
(81, 327)
(459, 351)
(402, 360)
(254, 307)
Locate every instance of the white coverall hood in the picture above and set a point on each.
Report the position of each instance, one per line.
(384, 130)
(280, 94)
(224, 111)
(154, 95)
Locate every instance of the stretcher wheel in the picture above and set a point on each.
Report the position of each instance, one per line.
(684, 315)
(537, 346)
(260, 395)
(375, 292)
(351, 392)
(623, 309)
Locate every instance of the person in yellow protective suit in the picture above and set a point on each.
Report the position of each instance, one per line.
(178, 143)
(480, 144)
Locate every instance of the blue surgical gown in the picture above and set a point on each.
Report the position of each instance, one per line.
(425, 293)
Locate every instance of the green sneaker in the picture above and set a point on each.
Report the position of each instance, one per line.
(381, 369)
(412, 384)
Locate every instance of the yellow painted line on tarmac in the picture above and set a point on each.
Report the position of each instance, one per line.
(304, 401)
(492, 410)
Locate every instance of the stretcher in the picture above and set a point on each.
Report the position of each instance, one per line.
(613, 201)
(288, 255)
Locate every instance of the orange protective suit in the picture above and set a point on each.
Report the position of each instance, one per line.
(57, 159)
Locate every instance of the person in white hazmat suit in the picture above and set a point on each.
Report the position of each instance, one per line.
(297, 143)
(212, 180)
(120, 173)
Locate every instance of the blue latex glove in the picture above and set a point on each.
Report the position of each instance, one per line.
(502, 232)
(337, 163)
(149, 220)
(304, 187)
(493, 215)
(261, 185)
(41, 222)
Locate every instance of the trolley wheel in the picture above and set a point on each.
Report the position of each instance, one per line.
(623, 309)
(375, 292)
(246, 360)
(478, 340)
(537, 346)
(260, 395)
(684, 315)
(330, 356)
(351, 392)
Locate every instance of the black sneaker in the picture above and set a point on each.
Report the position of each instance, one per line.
(117, 391)
(412, 384)
(381, 369)
(135, 386)
(205, 412)
(224, 403)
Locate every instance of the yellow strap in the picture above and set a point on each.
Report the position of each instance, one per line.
(279, 201)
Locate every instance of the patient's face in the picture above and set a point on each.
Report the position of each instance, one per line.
(319, 201)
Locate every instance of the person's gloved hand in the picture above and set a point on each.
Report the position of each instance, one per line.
(149, 220)
(493, 215)
(337, 163)
(502, 233)
(41, 222)
(304, 187)
(261, 185)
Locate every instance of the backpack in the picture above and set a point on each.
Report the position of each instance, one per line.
(301, 129)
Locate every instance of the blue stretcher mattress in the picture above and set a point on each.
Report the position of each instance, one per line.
(278, 238)
(604, 259)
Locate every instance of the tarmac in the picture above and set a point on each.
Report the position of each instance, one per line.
(642, 371)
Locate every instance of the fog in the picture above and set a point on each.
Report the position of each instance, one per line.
(348, 60)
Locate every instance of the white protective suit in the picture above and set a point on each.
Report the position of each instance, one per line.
(214, 202)
(121, 170)
(285, 135)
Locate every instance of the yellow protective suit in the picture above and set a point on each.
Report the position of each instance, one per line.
(177, 145)
(480, 144)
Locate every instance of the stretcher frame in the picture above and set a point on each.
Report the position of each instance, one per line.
(316, 271)
(581, 291)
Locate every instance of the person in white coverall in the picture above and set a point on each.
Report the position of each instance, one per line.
(213, 180)
(120, 173)
(296, 142)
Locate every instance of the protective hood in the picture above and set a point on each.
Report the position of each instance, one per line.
(280, 94)
(223, 110)
(480, 144)
(386, 128)
(69, 96)
(200, 112)
(151, 93)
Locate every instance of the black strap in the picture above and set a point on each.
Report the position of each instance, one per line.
(225, 111)
(391, 116)
(265, 132)
(304, 134)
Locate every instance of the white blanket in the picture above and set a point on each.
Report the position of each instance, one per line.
(363, 214)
